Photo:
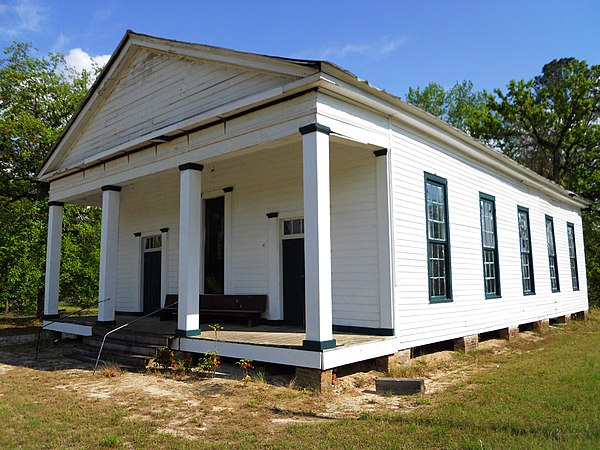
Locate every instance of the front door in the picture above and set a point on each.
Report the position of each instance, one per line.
(293, 282)
(152, 273)
(214, 246)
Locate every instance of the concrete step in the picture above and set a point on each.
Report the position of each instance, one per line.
(121, 346)
(127, 361)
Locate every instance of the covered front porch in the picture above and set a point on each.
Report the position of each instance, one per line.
(267, 343)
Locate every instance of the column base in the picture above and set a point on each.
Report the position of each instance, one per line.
(187, 333)
(318, 345)
(106, 322)
(51, 317)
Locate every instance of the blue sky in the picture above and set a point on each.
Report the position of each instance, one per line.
(393, 44)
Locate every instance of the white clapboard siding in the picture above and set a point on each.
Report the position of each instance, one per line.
(265, 181)
(417, 320)
(158, 89)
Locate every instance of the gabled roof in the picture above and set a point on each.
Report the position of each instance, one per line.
(276, 66)
(309, 74)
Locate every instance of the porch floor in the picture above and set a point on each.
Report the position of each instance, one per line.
(267, 335)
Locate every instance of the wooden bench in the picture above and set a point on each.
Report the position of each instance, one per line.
(248, 307)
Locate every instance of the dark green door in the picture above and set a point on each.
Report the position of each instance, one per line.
(293, 282)
(152, 281)
(214, 246)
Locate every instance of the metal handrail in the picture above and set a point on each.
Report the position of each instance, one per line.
(125, 325)
(43, 327)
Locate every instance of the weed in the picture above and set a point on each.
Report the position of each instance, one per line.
(111, 441)
(245, 365)
(209, 363)
(165, 358)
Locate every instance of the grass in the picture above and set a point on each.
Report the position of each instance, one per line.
(548, 397)
(543, 393)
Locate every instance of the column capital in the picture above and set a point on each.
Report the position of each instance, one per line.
(315, 127)
(191, 166)
(109, 187)
(53, 203)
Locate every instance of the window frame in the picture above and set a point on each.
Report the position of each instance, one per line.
(573, 258)
(524, 210)
(552, 258)
(432, 179)
(483, 197)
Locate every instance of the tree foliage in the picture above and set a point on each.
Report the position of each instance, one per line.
(551, 124)
(37, 97)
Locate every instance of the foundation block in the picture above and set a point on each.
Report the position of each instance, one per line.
(467, 343)
(541, 326)
(509, 333)
(563, 319)
(314, 379)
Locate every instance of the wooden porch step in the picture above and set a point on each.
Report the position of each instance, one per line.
(122, 346)
(137, 337)
(125, 361)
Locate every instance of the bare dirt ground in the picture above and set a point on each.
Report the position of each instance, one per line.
(191, 404)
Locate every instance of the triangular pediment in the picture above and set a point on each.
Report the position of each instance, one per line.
(151, 84)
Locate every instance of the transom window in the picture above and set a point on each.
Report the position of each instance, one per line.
(489, 243)
(573, 256)
(552, 261)
(293, 227)
(152, 243)
(438, 240)
(526, 254)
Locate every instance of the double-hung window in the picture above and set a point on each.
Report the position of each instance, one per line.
(438, 238)
(526, 255)
(573, 256)
(489, 243)
(552, 261)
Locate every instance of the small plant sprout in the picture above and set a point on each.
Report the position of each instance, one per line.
(216, 327)
(210, 362)
(245, 365)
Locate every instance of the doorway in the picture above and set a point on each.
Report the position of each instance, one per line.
(214, 245)
(293, 273)
(152, 273)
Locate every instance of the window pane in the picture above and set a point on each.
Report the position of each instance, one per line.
(437, 238)
(526, 257)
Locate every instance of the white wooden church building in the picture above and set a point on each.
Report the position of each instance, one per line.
(351, 210)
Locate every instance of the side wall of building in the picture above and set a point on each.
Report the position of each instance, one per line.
(418, 320)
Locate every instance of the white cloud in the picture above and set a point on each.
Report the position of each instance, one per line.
(375, 49)
(21, 16)
(80, 60)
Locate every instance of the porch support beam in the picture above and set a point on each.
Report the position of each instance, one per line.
(190, 238)
(317, 237)
(384, 235)
(109, 244)
(55, 221)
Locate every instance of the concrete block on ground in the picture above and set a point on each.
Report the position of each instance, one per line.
(314, 379)
(541, 326)
(467, 343)
(509, 333)
(400, 386)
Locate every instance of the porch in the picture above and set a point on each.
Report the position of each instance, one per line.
(266, 343)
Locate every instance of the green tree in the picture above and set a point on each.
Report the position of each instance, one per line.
(37, 97)
(460, 105)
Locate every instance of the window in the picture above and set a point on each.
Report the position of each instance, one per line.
(293, 227)
(438, 238)
(554, 283)
(526, 255)
(489, 242)
(573, 256)
(153, 243)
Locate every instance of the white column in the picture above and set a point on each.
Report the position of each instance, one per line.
(55, 221)
(275, 305)
(164, 258)
(190, 239)
(317, 237)
(109, 245)
(386, 301)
